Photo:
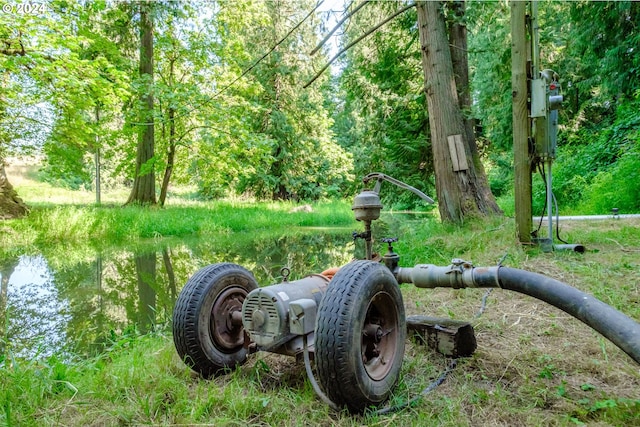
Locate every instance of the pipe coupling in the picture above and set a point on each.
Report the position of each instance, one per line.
(460, 274)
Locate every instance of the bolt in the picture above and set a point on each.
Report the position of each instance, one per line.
(259, 318)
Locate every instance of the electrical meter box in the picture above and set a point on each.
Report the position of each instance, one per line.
(545, 102)
(538, 98)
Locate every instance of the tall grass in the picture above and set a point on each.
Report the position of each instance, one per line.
(107, 225)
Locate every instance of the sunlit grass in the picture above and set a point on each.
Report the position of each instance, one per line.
(59, 215)
(103, 226)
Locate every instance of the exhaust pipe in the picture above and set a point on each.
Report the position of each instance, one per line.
(617, 327)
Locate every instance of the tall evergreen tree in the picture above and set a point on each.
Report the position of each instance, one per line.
(291, 148)
(461, 185)
(381, 116)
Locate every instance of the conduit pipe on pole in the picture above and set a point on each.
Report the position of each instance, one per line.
(617, 327)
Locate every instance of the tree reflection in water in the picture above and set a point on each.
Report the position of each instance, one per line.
(78, 303)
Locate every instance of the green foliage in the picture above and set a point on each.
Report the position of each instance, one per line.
(500, 174)
(66, 167)
(285, 149)
(490, 74)
(617, 187)
(109, 224)
(602, 51)
(597, 163)
(383, 119)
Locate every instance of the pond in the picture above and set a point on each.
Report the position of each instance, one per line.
(77, 302)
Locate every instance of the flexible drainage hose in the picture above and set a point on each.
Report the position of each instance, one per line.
(618, 328)
(615, 326)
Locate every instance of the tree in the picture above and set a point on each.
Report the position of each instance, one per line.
(462, 191)
(7, 267)
(381, 112)
(87, 101)
(12, 53)
(458, 47)
(602, 43)
(288, 151)
(144, 184)
(169, 120)
(29, 65)
(185, 58)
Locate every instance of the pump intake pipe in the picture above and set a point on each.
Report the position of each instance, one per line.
(618, 328)
(379, 177)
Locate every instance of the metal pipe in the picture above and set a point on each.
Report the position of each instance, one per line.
(617, 327)
(589, 217)
(575, 247)
(380, 176)
(535, 56)
(368, 240)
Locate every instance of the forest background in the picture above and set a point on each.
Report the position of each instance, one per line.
(231, 118)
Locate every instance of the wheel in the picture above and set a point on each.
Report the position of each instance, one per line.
(360, 336)
(207, 318)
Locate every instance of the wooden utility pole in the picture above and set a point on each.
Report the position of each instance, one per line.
(521, 128)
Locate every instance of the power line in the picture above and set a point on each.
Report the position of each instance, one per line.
(335, 28)
(244, 73)
(356, 41)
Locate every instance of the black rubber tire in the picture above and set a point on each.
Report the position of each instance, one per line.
(195, 336)
(359, 292)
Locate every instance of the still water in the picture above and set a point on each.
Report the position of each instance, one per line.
(76, 302)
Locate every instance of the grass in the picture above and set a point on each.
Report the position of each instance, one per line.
(76, 220)
(534, 366)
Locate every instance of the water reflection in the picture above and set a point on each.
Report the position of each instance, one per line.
(37, 321)
(78, 303)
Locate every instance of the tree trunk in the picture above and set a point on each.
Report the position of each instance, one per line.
(146, 277)
(96, 157)
(461, 192)
(172, 143)
(11, 206)
(171, 155)
(7, 268)
(171, 149)
(460, 62)
(144, 187)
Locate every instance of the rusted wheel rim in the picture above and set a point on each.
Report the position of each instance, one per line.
(379, 336)
(226, 318)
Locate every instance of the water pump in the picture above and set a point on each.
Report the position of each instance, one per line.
(351, 318)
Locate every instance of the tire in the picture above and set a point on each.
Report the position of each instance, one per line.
(207, 334)
(360, 336)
